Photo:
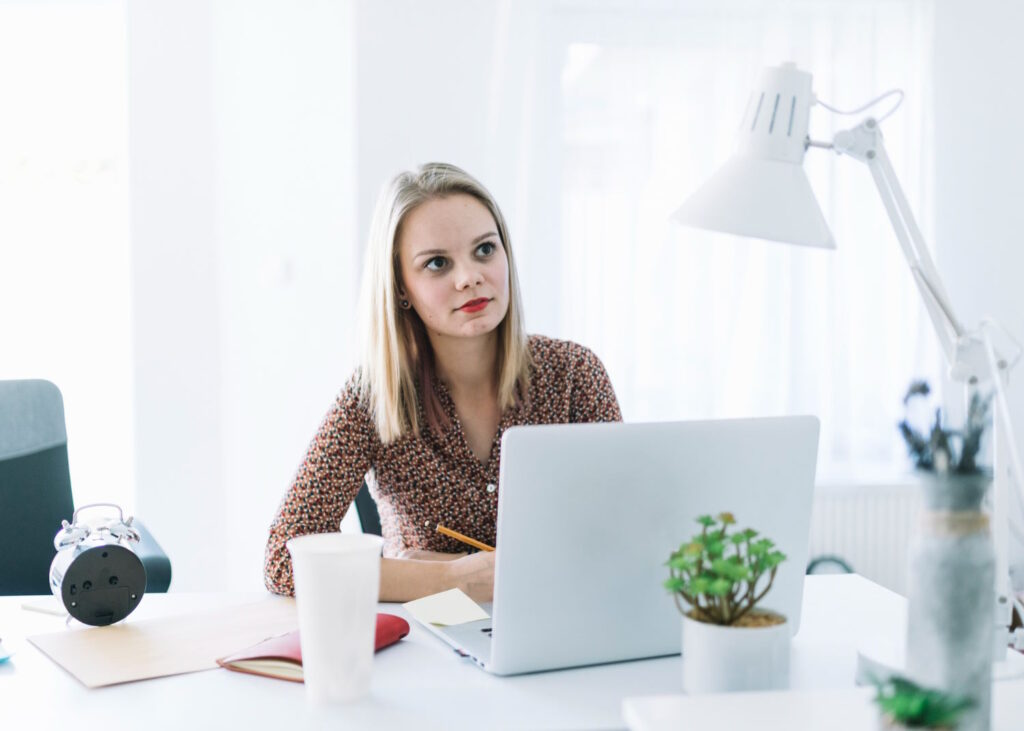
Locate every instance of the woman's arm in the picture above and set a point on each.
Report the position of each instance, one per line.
(405, 579)
(326, 483)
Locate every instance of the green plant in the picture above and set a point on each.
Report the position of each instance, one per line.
(907, 703)
(946, 450)
(722, 576)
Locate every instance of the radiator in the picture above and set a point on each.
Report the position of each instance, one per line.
(869, 527)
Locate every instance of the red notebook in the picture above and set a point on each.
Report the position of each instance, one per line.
(281, 656)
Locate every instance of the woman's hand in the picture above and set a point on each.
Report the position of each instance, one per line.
(419, 555)
(474, 575)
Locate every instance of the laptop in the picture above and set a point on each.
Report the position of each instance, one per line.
(589, 513)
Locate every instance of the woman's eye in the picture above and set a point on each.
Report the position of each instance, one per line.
(436, 264)
(486, 249)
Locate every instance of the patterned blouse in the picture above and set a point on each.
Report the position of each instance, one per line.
(435, 478)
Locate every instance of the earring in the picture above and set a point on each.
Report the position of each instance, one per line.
(405, 304)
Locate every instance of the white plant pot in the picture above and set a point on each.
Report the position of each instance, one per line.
(720, 659)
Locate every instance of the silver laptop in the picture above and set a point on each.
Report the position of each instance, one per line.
(589, 513)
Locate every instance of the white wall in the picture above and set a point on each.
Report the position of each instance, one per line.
(979, 100)
(288, 273)
(176, 327)
(469, 99)
(244, 277)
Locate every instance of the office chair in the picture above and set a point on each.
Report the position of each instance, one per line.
(829, 564)
(35, 491)
(366, 509)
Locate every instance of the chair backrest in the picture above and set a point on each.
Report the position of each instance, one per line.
(366, 509)
(35, 484)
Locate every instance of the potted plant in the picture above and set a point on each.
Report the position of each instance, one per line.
(943, 451)
(903, 704)
(950, 597)
(729, 643)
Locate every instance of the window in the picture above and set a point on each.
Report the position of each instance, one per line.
(64, 256)
(698, 325)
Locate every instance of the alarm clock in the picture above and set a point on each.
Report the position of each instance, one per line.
(96, 573)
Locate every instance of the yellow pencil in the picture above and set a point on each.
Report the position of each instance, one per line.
(465, 539)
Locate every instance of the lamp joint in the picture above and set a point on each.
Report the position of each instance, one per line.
(861, 142)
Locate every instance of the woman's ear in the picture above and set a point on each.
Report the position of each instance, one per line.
(403, 298)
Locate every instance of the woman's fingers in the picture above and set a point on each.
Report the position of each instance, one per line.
(474, 575)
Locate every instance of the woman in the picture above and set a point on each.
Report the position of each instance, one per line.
(446, 368)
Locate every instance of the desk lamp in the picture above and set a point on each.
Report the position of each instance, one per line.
(763, 192)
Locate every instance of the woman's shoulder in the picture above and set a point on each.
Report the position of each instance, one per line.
(352, 400)
(552, 353)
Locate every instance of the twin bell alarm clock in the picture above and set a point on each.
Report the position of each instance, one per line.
(96, 572)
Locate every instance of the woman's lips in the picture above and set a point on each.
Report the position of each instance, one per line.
(474, 305)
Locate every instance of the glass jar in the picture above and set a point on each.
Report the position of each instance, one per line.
(951, 599)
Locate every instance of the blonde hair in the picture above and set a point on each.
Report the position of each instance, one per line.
(396, 352)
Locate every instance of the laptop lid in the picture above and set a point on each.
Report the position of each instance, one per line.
(589, 513)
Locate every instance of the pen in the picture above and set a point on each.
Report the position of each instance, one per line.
(465, 539)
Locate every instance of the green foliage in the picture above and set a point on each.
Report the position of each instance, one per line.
(722, 574)
(946, 450)
(907, 703)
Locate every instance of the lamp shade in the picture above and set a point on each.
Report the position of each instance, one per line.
(763, 191)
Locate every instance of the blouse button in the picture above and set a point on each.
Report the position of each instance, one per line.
(492, 487)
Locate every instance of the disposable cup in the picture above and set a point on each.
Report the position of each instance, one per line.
(337, 580)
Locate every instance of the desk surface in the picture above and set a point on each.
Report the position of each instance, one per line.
(418, 683)
(842, 614)
(794, 710)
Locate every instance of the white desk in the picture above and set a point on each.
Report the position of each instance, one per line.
(419, 683)
(835, 710)
(838, 612)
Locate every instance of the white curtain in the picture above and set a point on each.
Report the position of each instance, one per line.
(694, 325)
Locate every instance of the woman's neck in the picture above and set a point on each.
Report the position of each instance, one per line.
(467, 365)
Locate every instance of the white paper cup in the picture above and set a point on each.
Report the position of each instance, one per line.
(337, 581)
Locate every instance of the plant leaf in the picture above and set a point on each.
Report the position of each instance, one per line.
(684, 563)
(917, 388)
(732, 570)
(698, 586)
(675, 584)
(719, 587)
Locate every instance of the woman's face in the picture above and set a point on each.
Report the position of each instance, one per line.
(453, 265)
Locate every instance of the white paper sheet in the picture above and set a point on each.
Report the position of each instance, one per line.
(446, 609)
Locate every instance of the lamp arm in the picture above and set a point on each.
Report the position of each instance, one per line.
(864, 143)
(1007, 471)
(925, 270)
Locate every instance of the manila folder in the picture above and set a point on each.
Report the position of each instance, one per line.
(153, 648)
